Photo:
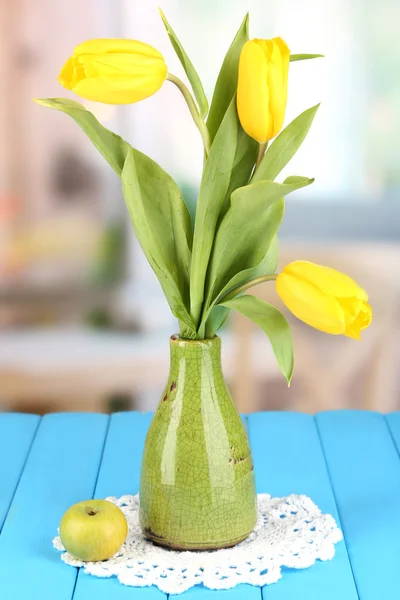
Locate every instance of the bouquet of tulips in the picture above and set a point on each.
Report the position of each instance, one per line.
(205, 267)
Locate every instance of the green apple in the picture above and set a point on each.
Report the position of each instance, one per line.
(93, 530)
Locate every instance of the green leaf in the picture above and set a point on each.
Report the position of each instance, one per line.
(188, 67)
(266, 266)
(242, 240)
(113, 148)
(224, 96)
(263, 193)
(243, 163)
(161, 222)
(226, 86)
(262, 265)
(285, 146)
(273, 323)
(214, 189)
(186, 333)
(247, 230)
(296, 57)
(216, 320)
(245, 244)
(159, 215)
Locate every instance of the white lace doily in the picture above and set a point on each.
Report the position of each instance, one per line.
(290, 532)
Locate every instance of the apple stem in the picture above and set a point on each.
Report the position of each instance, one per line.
(91, 512)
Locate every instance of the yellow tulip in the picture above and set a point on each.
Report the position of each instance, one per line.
(262, 87)
(114, 71)
(324, 298)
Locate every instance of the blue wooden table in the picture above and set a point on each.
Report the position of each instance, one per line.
(346, 461)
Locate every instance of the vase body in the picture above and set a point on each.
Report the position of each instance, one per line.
(197, 488)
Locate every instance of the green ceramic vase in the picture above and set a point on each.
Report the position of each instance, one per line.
(197, 487)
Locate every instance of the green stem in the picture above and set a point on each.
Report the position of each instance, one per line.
(245, 286)
(201, 126)
(262, 146)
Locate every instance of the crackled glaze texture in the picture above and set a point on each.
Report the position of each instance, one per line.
(197, 487)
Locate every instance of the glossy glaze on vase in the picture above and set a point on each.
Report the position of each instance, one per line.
(197, 487)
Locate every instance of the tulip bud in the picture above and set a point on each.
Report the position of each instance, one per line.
(114, 71)
(324, 298)
(262, 87)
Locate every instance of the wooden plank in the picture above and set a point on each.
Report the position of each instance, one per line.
(393, 422)
(16, 434)
(365, 472)
(240, 592)
(61, 469)
(118, 475)
(288, 458)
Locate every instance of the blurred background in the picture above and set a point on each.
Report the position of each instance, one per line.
(84, 325)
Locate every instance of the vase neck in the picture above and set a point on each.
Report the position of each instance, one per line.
(196, 352)
(195, 365)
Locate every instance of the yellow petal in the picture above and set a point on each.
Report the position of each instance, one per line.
(365, 316)
(262, 87)
(351, 308)
(310, 305)
(252, 93)
(114, 77)
(117, 90)
(105, 46)
(362, 321)
(265, 45)
(67, 74)
(329, 281)
(278, 69)
(283, 47)
(121, 64)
